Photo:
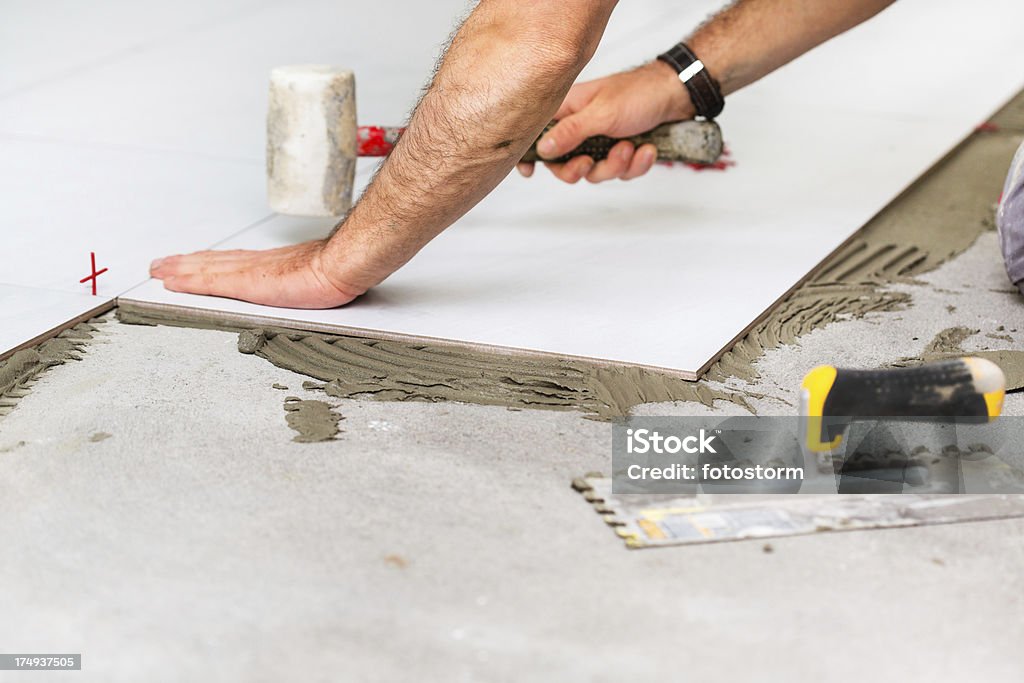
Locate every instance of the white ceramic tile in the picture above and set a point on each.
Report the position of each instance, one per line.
(27, 314)
(667, 286)
(60, 202)
(811, 158)
(206, 91)
(41, 42)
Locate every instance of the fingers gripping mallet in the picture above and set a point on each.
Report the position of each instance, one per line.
(313, 141)
(695, 142)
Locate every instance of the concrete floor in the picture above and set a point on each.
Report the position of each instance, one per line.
(443, 542)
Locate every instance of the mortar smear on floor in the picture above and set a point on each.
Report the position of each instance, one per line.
(949, 344)
(936, 219)
(313, 420)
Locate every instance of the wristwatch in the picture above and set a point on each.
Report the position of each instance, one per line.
(705, 92)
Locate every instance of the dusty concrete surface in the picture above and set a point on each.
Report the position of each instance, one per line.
(158, 517)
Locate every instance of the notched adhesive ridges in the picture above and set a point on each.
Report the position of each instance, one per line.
(353, 367)
(20, 371)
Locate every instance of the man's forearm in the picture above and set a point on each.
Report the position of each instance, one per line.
(506, 71)
(752, 38)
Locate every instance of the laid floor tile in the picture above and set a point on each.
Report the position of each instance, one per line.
(61, 202)
(28, 315)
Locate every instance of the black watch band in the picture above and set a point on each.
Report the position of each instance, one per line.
(705, 93)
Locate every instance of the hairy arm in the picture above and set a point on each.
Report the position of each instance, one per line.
(752, 38)
(744, 42)
(508, 68)
(505, 74)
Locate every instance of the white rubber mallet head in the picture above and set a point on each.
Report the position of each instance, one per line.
(311, 140)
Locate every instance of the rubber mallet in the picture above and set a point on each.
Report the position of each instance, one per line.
(313, 141)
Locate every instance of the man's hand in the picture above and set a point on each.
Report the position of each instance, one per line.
(619, 106)
(289, 277)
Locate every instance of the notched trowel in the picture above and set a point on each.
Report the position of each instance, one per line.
(922, 432)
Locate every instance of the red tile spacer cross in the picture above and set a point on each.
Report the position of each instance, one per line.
(95, 273)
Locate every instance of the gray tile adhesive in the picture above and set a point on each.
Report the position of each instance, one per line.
(19, 372)
(949, 344)
(312, 420)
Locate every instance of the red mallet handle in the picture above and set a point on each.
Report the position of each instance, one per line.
(377, 141)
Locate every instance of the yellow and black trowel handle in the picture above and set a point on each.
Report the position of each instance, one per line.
(969, 389)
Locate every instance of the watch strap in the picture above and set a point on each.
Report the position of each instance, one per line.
(704, 90)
